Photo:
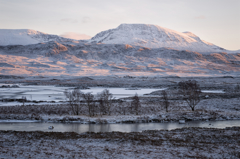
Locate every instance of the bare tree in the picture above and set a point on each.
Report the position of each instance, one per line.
(74, 99)
(105, 101)
(191, 92)
(102, 108)
(135, 104)
(89, 99)
(165, 100)
(237, 89)
(24, 99)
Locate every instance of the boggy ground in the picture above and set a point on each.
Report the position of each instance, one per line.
(179, 143)
(217, 106)
(211, 83)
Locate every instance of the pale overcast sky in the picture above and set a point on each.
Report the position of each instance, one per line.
(216, 21)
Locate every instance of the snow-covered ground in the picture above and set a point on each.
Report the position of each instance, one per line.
(208, 109)
(179, 143)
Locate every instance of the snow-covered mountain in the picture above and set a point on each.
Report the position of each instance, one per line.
(134, 49)
(26, 37)
(154, 36)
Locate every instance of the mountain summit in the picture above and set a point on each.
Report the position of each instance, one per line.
(154, 36)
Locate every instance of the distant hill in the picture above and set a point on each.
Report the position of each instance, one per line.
(26, 37)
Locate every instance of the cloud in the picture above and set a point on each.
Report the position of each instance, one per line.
(85, 19)
(76, 36)
(200, 17)
(69, 20)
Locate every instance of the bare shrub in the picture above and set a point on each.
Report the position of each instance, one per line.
(190, 90)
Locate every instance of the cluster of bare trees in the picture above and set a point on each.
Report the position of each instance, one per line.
(102, 103)
(188, 91)
(77, 100)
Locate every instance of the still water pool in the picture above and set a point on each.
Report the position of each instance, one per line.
(136, 127)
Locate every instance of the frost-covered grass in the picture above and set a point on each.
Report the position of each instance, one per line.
(178, 143)
(207, 109)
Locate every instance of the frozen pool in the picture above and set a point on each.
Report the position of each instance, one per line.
(52, 93)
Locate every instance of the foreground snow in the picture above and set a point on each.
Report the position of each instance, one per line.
(179, 143)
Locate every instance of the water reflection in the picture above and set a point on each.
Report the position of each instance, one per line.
(81, 128)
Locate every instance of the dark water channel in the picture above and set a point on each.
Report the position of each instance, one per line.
(136, 127)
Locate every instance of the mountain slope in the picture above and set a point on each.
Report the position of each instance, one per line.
(154, 36)
(26, 37)
(76, 59)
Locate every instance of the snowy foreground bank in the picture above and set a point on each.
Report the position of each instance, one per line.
(160, 118)
(178, 143)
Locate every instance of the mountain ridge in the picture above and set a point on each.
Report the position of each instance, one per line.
(146, 35)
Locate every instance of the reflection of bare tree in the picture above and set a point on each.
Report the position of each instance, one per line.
(105, 127)
(135, 127)
(76, 128)
(92, 128)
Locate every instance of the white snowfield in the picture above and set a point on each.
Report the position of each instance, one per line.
(154, 36)
(26, 37)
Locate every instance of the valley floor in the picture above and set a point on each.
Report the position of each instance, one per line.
(179, 143)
